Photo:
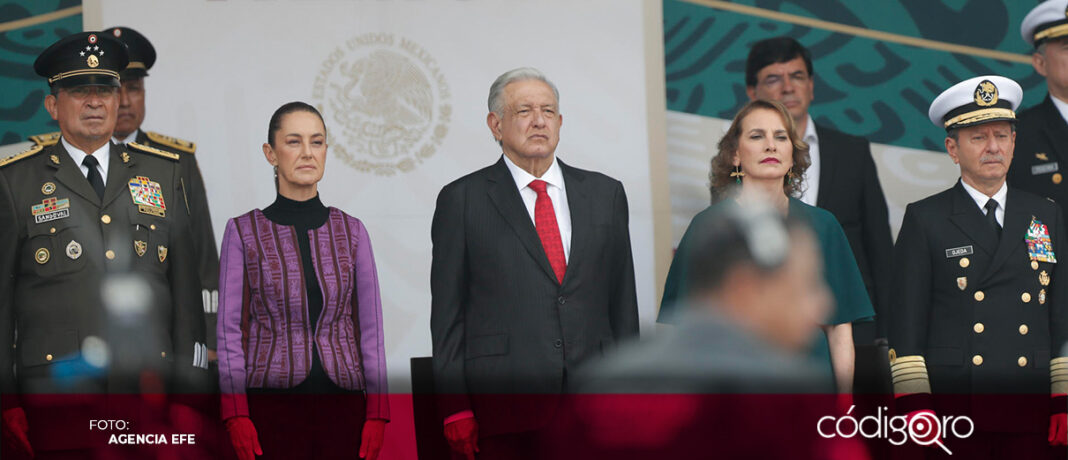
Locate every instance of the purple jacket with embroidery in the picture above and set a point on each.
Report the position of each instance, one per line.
(265, 340)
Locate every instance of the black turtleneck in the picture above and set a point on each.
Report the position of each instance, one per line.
(304, 216)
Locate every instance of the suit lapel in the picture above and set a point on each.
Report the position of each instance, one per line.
(1056, 129)
(117, 174)
(579, 204)
(1012, 233)
(505, 197)
(827, 164)
(70, 175)
(970, 220)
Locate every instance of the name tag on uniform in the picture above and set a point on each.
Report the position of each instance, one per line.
(1045, 168)
(961, 251)
(51, 209)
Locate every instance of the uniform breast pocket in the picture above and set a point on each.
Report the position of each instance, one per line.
(53, 249)
(150, 240)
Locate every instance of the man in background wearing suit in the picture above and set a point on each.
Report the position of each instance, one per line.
(532, 275)
(842, 180)
(1042, 132)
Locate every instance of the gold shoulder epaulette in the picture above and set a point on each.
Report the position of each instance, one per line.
(172, 142)
(46, 139)
(146, 149)
(37, 148)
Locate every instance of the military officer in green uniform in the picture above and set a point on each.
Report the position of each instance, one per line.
(99, 292)
(1042, 130)
(979, 310)
(128, 129)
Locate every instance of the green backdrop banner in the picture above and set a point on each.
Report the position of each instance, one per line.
(876, 88)
(22, 110)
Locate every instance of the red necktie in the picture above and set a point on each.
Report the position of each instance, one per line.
(548, 230)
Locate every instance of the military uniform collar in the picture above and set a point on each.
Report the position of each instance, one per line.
(128, 139)
(102, 155)
(980, 198)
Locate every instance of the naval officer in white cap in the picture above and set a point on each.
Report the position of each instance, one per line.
(1042, 130)
(978, 309)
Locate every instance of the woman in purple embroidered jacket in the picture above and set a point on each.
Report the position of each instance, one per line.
(301, 354)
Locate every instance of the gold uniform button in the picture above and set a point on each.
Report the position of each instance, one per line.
(52, 230)
(152, 227)
(1057, 178)
(1025, 297)
(977, 360)
(964, 262)
(48, 357)
(105, 219)
(163, 354)
(110, 254)
(1034, 265)
(1022, 361)
(978, 328)
(1023, 329)
(979, 296)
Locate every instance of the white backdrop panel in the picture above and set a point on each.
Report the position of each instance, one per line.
(225, 66)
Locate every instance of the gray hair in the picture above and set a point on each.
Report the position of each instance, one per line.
(496, 102)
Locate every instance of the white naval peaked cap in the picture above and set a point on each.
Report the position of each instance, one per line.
(975, 101)
(1046, 21)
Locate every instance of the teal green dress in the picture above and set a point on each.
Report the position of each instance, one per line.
(843, 277)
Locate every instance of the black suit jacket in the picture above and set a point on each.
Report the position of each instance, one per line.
(1041, 152)
(849, 189)
(962, 298)
(504, 330)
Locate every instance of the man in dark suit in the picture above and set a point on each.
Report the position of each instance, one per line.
(98, 295)
(532, 275)
(979, 311)
(842, 179)
(1042, 130)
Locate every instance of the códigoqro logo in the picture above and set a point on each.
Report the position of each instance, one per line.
(925, 428)
(387, 101)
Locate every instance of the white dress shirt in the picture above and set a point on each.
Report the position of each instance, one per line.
(101, 154)
(557, 193)
(981, 199)
(812, 174)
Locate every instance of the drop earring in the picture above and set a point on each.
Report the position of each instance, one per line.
(737, 174)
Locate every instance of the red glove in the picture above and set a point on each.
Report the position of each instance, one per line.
(1058, 429)
(463, 436)
(243, 437)
(14, 430)
(371, 439)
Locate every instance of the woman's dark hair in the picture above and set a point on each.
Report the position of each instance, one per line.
(286, 109)
(721, 184)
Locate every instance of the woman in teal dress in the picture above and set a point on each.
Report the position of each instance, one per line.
(762, 159)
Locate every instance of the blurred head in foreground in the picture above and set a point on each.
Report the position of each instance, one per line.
(763, 272)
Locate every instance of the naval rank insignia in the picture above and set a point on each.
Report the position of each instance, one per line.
(148, 196)
(1039, 246)
(51, 209)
